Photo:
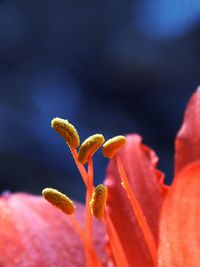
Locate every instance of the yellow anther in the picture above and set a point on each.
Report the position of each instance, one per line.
(98, 201)
(67, 131)
(113, 145)
(89, 147)
(59, 200)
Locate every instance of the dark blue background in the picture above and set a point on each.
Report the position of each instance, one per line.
(111, 67)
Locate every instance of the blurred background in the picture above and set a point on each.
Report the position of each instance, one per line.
(111, 67)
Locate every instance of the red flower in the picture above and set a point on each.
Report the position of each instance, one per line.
(180, 217)
(146, 223)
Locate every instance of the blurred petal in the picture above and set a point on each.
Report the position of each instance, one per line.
(180, 221)
(147, 182)
(34, 233)
(188, 138)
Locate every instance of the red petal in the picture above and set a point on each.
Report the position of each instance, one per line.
(34, 233)
(140, 166)
(180, 221)
(188, 138)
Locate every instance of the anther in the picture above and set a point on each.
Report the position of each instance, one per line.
(67, 131)
(98, 201)
(89, 147)
(113, 145)
(59, 200)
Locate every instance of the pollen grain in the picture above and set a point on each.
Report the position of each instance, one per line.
(89, 147)
(67, 131)
(113, 145)
(59, 200)
(98, 201)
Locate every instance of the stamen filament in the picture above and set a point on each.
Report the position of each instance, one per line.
(148, 236)
(79, 165)
(88, 180)
(115, 243)
(92, 258)
(89, 191)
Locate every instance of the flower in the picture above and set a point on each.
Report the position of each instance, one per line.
(140, 221)
(180, 217)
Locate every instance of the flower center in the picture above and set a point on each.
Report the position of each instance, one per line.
(96, 197)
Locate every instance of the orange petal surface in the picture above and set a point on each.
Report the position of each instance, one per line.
(34, 233)
(188, 139)
(147, 183)
(180, 221)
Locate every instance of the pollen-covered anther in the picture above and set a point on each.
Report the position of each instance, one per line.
(98, 201)
(67, 131)
(59, 200)
(113, 145)
(89, 147)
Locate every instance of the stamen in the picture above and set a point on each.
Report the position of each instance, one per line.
(113, 145)
(62, 202)
(99, 196)
(67, 131)
(141, 219)
(98, 201)
(89, 147)
(59, 200)
(88, 180)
